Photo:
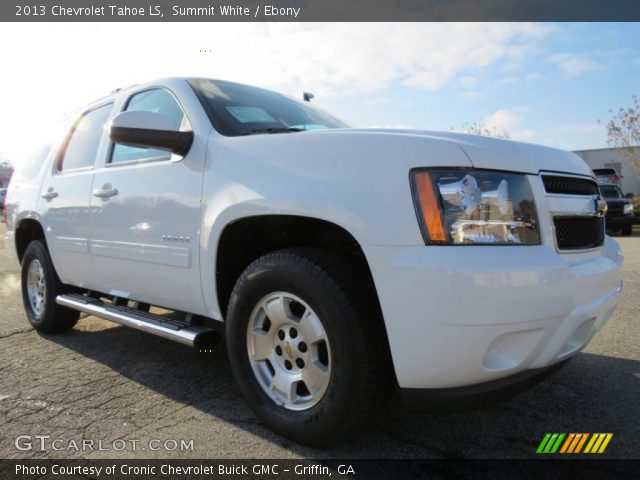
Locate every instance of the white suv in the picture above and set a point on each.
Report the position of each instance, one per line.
(346, 264)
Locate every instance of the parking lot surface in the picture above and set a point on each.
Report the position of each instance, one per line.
(106, 383)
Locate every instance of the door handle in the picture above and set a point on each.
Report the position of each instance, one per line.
(49, 194)
(105, 192)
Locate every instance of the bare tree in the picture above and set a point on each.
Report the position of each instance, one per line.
(480, 128)
(623, 131)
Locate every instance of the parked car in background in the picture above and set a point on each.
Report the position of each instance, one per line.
(607, 176)
(620, 210)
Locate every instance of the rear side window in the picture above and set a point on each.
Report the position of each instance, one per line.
(157, 100)
(82, 146)
(30, 167)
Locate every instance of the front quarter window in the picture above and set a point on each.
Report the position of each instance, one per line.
(157, 100)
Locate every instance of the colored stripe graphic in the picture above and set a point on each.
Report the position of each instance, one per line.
(555, 447)
(591, 442)
(576, 439)
(553, 443)
(567, 443)
(581, 443)
(550, 443)
(543, 443)
(598, 443)
(605, 443)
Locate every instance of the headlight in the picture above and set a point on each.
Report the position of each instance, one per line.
(628, 208)
(468, 206)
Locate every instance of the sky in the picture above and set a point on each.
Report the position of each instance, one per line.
(539, 82)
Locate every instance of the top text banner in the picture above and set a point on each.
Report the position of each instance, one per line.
(318, 10)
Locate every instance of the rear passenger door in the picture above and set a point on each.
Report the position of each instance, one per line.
(146, 215)
(66, 195)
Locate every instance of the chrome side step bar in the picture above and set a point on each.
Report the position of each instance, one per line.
(181, 332)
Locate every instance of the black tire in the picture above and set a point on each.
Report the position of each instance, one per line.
(361, 373)
(53, 318)
(627, 231)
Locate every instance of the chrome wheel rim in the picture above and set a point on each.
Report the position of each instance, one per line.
(289, 351)
(36, 287)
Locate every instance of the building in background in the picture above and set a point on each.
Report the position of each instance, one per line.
(614, 158)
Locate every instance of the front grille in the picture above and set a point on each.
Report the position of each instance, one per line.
(569, 185)
(579, 233)
(615, 210)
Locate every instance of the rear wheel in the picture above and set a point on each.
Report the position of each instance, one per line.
(40, 287)
(307, 346)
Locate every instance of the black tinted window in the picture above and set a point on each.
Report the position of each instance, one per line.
(82, 147)
(157, 100)
(611, 191)
(236, 109)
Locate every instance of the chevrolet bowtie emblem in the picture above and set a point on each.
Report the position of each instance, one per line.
(287, 348)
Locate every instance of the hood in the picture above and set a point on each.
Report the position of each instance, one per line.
(495, 153)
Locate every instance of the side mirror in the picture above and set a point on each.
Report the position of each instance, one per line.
(629, 195)
(149, 130)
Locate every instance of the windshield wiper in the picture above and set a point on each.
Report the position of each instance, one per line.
(273, 130)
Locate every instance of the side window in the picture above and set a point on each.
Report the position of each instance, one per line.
(82, 146)
(157, 100)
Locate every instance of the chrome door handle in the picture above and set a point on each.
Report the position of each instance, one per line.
(49, 194)
(105, 192)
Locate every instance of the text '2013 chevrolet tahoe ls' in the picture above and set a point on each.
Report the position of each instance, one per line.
(348, 266)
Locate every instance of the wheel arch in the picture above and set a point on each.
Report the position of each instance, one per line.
(27, 230)
(247, 238)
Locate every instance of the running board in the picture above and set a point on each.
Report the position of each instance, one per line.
(181, 332)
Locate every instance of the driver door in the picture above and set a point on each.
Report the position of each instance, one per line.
(145, 221)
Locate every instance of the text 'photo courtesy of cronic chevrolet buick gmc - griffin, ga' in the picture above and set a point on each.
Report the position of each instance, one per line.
(344, 268)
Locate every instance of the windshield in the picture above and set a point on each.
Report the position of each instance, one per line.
(611, 191)
(236, 109)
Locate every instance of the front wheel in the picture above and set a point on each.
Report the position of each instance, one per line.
(40, 287)
(307, 346)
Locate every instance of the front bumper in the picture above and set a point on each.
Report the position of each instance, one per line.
(459, 316)
(622, 221)
(474, 396)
